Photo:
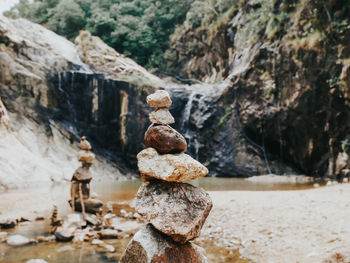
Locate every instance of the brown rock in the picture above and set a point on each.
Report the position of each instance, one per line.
(7, 223)
(169, 167)
(165, 139)
(159, 99)
(150, 246)
(18, 241)
(161, 116)
(178, 210)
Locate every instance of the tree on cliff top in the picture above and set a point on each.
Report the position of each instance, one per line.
(137, 28)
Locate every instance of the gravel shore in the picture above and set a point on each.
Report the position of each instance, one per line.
(283, 226)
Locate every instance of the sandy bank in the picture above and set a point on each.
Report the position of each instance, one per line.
(283, 226)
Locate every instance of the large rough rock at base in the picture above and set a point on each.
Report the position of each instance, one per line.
(178, 210)
(150, 246)
(169, 167)
(165, 139)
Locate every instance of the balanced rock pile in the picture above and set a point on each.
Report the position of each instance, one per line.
(80, 188)
(176, 211)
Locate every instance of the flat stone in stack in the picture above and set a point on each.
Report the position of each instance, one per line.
(169, 167)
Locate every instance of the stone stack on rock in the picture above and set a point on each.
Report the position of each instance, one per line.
(176, 211)
(80, 188)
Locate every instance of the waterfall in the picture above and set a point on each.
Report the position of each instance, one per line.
(198, 108)
(185, 121)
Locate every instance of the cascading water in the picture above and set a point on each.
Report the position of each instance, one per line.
(185, 125)
(196, 112)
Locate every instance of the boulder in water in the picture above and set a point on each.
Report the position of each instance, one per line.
(165, 139)
(64, 234)
(169, 167)
(178, 210)
(149, 245)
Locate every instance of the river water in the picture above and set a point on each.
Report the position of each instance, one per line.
(40, 202)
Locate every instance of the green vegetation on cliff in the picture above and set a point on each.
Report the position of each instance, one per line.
(137, 28)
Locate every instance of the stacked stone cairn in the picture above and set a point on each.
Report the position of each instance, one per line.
(176, 211)
(80, 183)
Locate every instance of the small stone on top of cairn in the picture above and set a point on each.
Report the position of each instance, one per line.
(84, 144)
(159, 99)
(174, 209)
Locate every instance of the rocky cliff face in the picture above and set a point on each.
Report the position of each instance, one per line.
(35, 148)
(90, 89)
(289, 72)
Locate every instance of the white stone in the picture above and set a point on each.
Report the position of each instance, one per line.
(161, 116)
(97, 242)
(169, 167)
(37, 260)
(74, 220)
(159, 99)
(18, 240)
(109, 248)
(79, 236)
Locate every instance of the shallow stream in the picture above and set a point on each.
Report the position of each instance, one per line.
(31, 203)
